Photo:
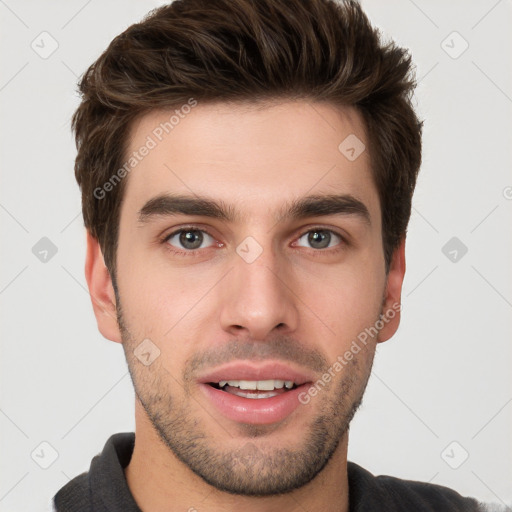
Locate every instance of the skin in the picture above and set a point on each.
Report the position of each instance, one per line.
(295, 303)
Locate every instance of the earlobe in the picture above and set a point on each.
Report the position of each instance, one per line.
(392, 297)
(101, 291)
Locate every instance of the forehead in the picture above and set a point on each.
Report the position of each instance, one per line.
(254, 156)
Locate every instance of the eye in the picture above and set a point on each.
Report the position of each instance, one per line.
(319, 238)
(188, 238)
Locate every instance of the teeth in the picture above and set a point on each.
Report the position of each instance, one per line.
(263, 385)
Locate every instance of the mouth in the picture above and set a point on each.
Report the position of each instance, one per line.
(259, 395)
(255, 389)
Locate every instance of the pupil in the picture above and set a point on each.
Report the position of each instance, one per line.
(191, 239)
(321, 238)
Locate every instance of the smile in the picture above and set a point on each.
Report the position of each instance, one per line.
(260, 395)
(255, 389)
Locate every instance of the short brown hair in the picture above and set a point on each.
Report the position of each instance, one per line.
(248, 50)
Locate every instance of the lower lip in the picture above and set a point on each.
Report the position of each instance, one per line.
(256, 411)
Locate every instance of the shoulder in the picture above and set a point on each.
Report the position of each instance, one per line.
(104, 484)
(74, 496)
(366, 492)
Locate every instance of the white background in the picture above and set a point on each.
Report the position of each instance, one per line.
(444, 377)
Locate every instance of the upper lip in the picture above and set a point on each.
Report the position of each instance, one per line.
(269, 370)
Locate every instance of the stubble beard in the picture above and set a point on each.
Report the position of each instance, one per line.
(252, 469)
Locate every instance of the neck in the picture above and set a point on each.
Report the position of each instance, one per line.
(159, 482)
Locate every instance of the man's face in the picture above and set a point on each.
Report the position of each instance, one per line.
(263, 295)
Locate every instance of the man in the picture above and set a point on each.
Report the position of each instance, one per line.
(247, 169)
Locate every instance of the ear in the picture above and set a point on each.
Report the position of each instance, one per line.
(101, 291)
(392, 296)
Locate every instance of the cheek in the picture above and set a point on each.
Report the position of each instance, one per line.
(349, 292)
(160, 300)
(348, 303)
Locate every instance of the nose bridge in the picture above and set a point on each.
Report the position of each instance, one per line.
(258, 298)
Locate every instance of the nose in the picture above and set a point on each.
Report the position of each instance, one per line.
(259, 298)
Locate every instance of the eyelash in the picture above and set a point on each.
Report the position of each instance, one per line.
(195, 252)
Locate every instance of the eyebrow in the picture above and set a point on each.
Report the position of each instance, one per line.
(309, 206)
